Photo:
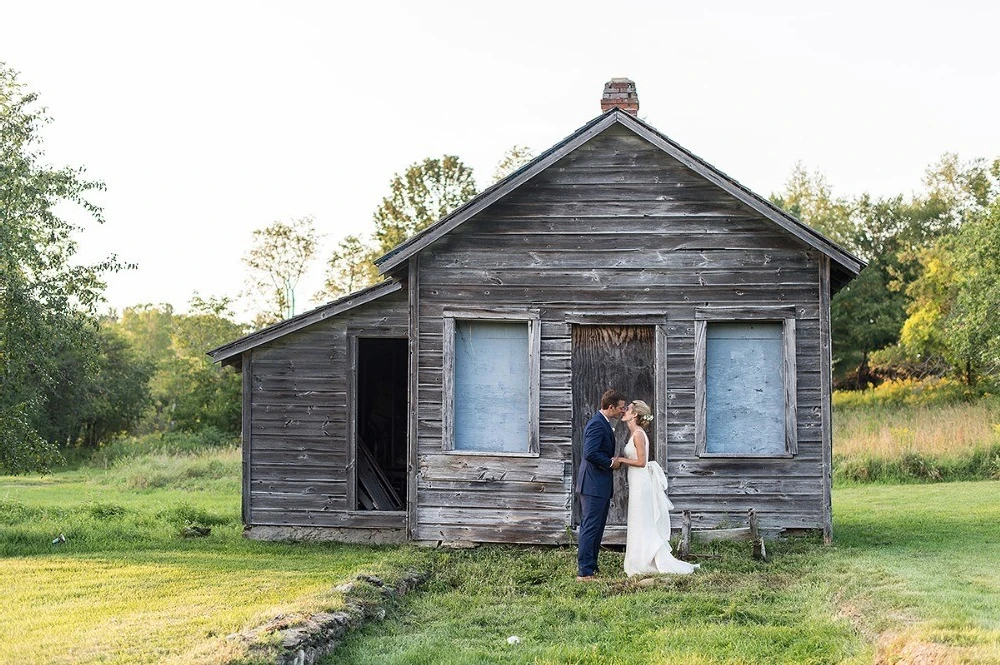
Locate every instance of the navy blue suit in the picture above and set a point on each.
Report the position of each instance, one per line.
(594, 484)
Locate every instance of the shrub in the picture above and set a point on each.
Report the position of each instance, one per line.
(166, 443)
(979, 463)
(103, 511)
(909, 392)
(188, 514)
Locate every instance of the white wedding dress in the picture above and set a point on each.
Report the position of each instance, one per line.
(647, 542)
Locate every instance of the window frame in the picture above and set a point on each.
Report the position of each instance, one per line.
(784, 315)
(532, 318)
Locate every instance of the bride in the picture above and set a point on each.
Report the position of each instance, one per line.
(647, 542)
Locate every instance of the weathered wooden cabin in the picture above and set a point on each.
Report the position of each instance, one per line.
(447, 402)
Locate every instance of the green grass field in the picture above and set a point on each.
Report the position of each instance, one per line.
(912, 575)
(126, 587)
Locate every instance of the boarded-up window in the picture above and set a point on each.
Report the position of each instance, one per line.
(745, 395)
(491, 385)
(744, 384)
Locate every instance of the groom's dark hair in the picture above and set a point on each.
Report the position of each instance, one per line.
(611, 398)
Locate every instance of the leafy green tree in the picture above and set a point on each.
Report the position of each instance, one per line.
(515, 157)
(868, 313)
(953, 313)
(937, 333)
(22, 450)
(189, 392)
(418, 197)
(808, 197)
(423, 194)
(973, 326)
(47, 301)
(99, 396)
(965, 189)
(148, 328)
(351, 267)
(206, 395)
(891, 234)
(280, 255)
(924, 346)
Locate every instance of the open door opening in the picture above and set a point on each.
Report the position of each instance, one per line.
(380, 430)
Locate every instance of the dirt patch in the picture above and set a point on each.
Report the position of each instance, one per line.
(903, 649)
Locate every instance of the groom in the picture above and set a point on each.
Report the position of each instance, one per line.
(595, 481)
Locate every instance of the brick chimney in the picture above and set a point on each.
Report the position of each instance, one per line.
(620, 93)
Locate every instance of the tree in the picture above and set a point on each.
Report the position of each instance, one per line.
(350, 268)
(98, 396)
(202, 394)
(148, 329)
(965, 190)
(973, 326)
(46, 301)
(868, 313)
(418, 197)
(515, 157)
(423, 194)
(953, 310)
(946, 282)
(808, 197)
(280, 255)
(189, 392)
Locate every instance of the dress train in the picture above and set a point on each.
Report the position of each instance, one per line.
(647, 540)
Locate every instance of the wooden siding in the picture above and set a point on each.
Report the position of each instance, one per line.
(617, 227)
(296, 414)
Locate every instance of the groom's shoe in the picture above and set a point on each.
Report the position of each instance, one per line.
(586, 578)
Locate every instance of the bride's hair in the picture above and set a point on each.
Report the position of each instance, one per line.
(643, 414)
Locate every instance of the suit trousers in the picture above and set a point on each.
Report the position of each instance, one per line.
(593, 517)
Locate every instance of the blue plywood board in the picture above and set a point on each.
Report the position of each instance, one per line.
(745, 394)
(491, 386)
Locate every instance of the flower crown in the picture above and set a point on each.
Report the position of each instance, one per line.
(645, 418)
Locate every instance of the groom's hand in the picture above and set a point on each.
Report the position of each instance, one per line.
(615, 463)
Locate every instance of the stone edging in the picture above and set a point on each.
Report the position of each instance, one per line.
(297, 639)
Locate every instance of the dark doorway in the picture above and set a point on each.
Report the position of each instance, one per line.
(381, 406)
(621, 357)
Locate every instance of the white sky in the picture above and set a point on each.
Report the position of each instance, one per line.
(209, 119)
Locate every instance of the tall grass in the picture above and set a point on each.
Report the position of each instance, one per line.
(900, 432)
(166, 443)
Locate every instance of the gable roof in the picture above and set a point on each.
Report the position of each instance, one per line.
(844, 265)
(230, 352)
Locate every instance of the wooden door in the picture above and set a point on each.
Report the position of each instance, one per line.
(621, 357)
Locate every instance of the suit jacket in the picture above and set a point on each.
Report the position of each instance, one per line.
(595, 476)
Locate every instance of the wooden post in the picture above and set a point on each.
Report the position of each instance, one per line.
(685, 547)
(759, 552)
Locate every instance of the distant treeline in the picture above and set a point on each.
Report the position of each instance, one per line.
(926, 303)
